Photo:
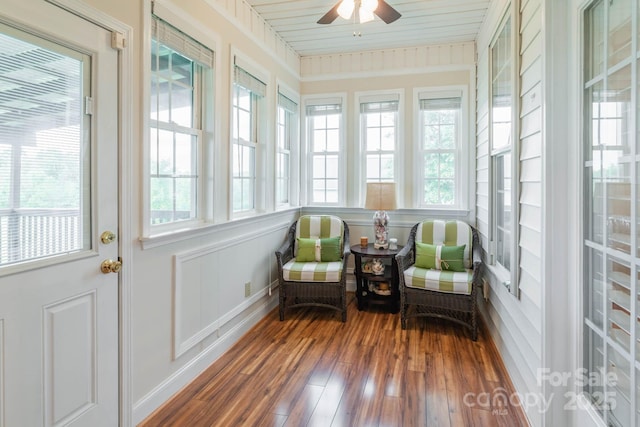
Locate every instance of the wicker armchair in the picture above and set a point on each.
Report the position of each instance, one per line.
(440, 293)
(314, 283)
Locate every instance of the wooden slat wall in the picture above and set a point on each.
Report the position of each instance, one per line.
(516, 325)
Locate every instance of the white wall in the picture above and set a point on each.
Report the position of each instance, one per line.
(516, 324)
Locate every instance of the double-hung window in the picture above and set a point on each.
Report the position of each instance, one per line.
(286, 141)
(324, 136)
(248, 91)
(379, 136)
(440, 150)
(502, 112)
(179, 70)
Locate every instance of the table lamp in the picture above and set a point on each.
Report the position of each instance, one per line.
(381, 197)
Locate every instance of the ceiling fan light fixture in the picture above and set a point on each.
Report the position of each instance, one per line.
(346, 8)
(369, 5)
(365, 15)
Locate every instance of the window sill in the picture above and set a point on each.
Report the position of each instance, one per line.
(501, 274)
(204, 229)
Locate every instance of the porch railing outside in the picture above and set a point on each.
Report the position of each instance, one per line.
(27, 234)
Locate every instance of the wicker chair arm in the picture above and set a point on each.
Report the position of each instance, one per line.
(478, 264)
(284, 254)
(346, 250)
(407, 256)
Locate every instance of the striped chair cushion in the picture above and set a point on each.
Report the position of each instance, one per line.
(318, 227)
(449, 233)
(439, 280)
(312, 271)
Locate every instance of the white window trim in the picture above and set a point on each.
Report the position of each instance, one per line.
(305, 176)
(509, 278)
(211, 131)
(359, 170)
(294, 150)
(465, 161)
(264, 143)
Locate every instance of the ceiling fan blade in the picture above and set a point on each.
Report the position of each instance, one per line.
(330, 16)
(385, 12)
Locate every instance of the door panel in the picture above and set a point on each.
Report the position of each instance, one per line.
(58, 193)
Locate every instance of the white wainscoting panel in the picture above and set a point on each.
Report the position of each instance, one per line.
(209, 284)
(69, 358)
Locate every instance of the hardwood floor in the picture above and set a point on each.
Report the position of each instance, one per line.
(314, 370)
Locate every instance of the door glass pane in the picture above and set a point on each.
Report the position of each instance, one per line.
(44, 148)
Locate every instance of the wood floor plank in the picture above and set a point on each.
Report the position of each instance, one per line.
(314, 370)
(332, 395)
(436, 402)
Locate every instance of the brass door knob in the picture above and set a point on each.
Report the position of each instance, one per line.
(108, 237)
(110, 266)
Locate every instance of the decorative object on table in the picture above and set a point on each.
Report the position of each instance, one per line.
(377, 267)
(364, 241)
(381, 196)
(366, 266)
(393, 243)
(382, 288)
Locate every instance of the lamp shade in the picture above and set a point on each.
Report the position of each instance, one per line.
(381, 196)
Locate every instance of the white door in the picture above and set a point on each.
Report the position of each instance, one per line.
(58, 194)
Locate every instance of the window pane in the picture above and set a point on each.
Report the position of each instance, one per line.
(447, 196)
(594, 293)
(388, 119)
(165, 152)
(185, 154)
(373, 139)
(447, 136)
(619, 31)
(386, 166)
(594, 55)
(373, 168)
(333, 140)
(431, 165)
(244, 125)
(333, 121)
(332, 167)
(319, 140)
(388, 142)
(182, 105)
(447, 166)
(594, 359)
(319, 170)
(185, 198)
(503, 210)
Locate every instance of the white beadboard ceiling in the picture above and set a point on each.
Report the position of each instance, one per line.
(423, 22)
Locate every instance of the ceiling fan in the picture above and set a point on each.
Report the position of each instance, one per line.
(366, 9)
